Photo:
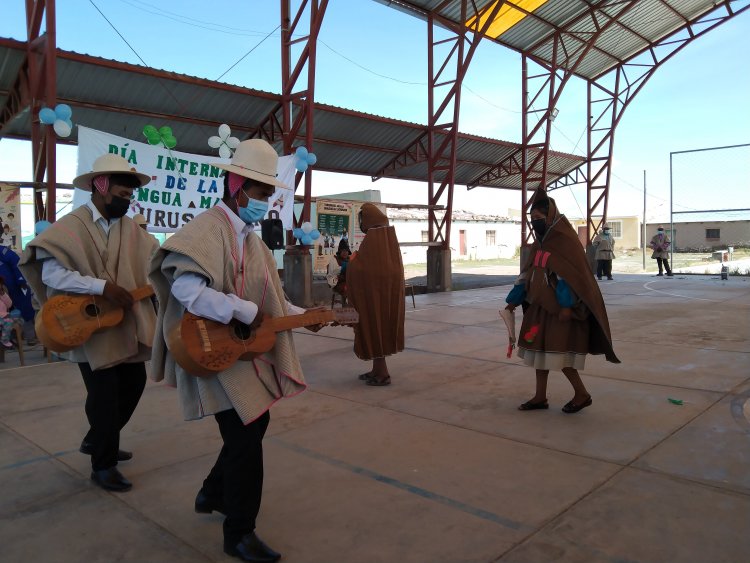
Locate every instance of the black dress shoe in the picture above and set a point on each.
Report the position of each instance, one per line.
(206, 505)
(251, 548)
(88, 449)
(111, 480)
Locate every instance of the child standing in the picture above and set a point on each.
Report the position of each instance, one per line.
(7, 322)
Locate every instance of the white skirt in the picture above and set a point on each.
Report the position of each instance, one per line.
(551, 360)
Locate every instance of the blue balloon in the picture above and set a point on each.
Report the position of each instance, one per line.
(69, 122)
(47, 116)
(301, 165)
(41, 226)
(314, 234)
(311, 158)
(297, 232)
(306, 240)
(63, 111)
(301, 152)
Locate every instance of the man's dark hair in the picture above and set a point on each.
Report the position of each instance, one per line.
(126, 180)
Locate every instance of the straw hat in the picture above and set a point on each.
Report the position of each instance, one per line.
(109, 164)
(140, 219)
(255, 159)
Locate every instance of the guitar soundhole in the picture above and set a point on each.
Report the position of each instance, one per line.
(242, 331)
(92, 310)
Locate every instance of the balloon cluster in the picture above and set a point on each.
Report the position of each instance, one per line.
(59, 118)
(161, 135)
(304, 159)
(224, 142)
(306, 233)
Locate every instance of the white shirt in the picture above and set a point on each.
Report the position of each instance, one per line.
(191, 291)
(54, 275)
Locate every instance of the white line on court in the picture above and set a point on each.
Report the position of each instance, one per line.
(647, 284)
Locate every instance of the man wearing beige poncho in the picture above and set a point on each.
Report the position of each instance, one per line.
(216, 267)
(98, 250)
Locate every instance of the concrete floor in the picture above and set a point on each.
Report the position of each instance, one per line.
(438, 467)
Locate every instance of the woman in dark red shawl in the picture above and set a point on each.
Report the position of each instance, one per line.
(565, 318)
(375, 287)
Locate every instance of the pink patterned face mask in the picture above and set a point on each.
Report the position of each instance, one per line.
(235, 183)
(101, 183)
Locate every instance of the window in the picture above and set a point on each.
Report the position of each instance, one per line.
(425, 236)
(615, 228)
(491, 238)
(713, 233)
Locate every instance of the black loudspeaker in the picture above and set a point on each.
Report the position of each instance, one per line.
(272, 231)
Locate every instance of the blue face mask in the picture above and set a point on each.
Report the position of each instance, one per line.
(254, 212)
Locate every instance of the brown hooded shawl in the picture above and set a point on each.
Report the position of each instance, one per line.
(375, 285)
(559, 251)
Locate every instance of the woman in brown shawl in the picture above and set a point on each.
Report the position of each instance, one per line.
(565, 318)
(375, 286)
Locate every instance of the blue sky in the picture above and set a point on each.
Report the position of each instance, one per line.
(374, 59)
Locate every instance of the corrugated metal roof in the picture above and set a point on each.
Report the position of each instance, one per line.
(121, 98)
(648, 22)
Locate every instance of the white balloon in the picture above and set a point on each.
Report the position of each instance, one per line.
(224, 131)
(306, 227)
(214, 142)
(224, 151)
(233, 142)
(62, 128)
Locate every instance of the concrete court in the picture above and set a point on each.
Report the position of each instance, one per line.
(438, 467)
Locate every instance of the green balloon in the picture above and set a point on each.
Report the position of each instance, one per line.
(165, 131)
(170, 142)
(149, 130)
(154, 138)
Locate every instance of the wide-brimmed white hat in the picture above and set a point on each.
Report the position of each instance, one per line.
(255, 159)
(109, 164)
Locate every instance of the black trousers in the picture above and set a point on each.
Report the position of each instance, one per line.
(237, 476)
(603, 267)
(113, 394)
(665, 262)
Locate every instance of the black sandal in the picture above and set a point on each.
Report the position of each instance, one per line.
(375, 382)
(571, 407)
(530, 406)
(365, 376)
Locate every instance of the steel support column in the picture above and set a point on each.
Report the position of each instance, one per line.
(543, 88)
(457, 49)
(609, 95)
(40, 72)
(298, 100)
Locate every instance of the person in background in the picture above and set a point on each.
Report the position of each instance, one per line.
(19, 291)
(605, 253)
(98, 250)
(5, 319)
(564, 316)
(336, 270)
(660, 245)
(375, 287)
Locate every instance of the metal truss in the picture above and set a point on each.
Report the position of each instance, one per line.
(297, 99)
(546, 85)
(34, 88)
(457, 48)
(415, 153)
(511, 165)
(609, 96)
(572, 178)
